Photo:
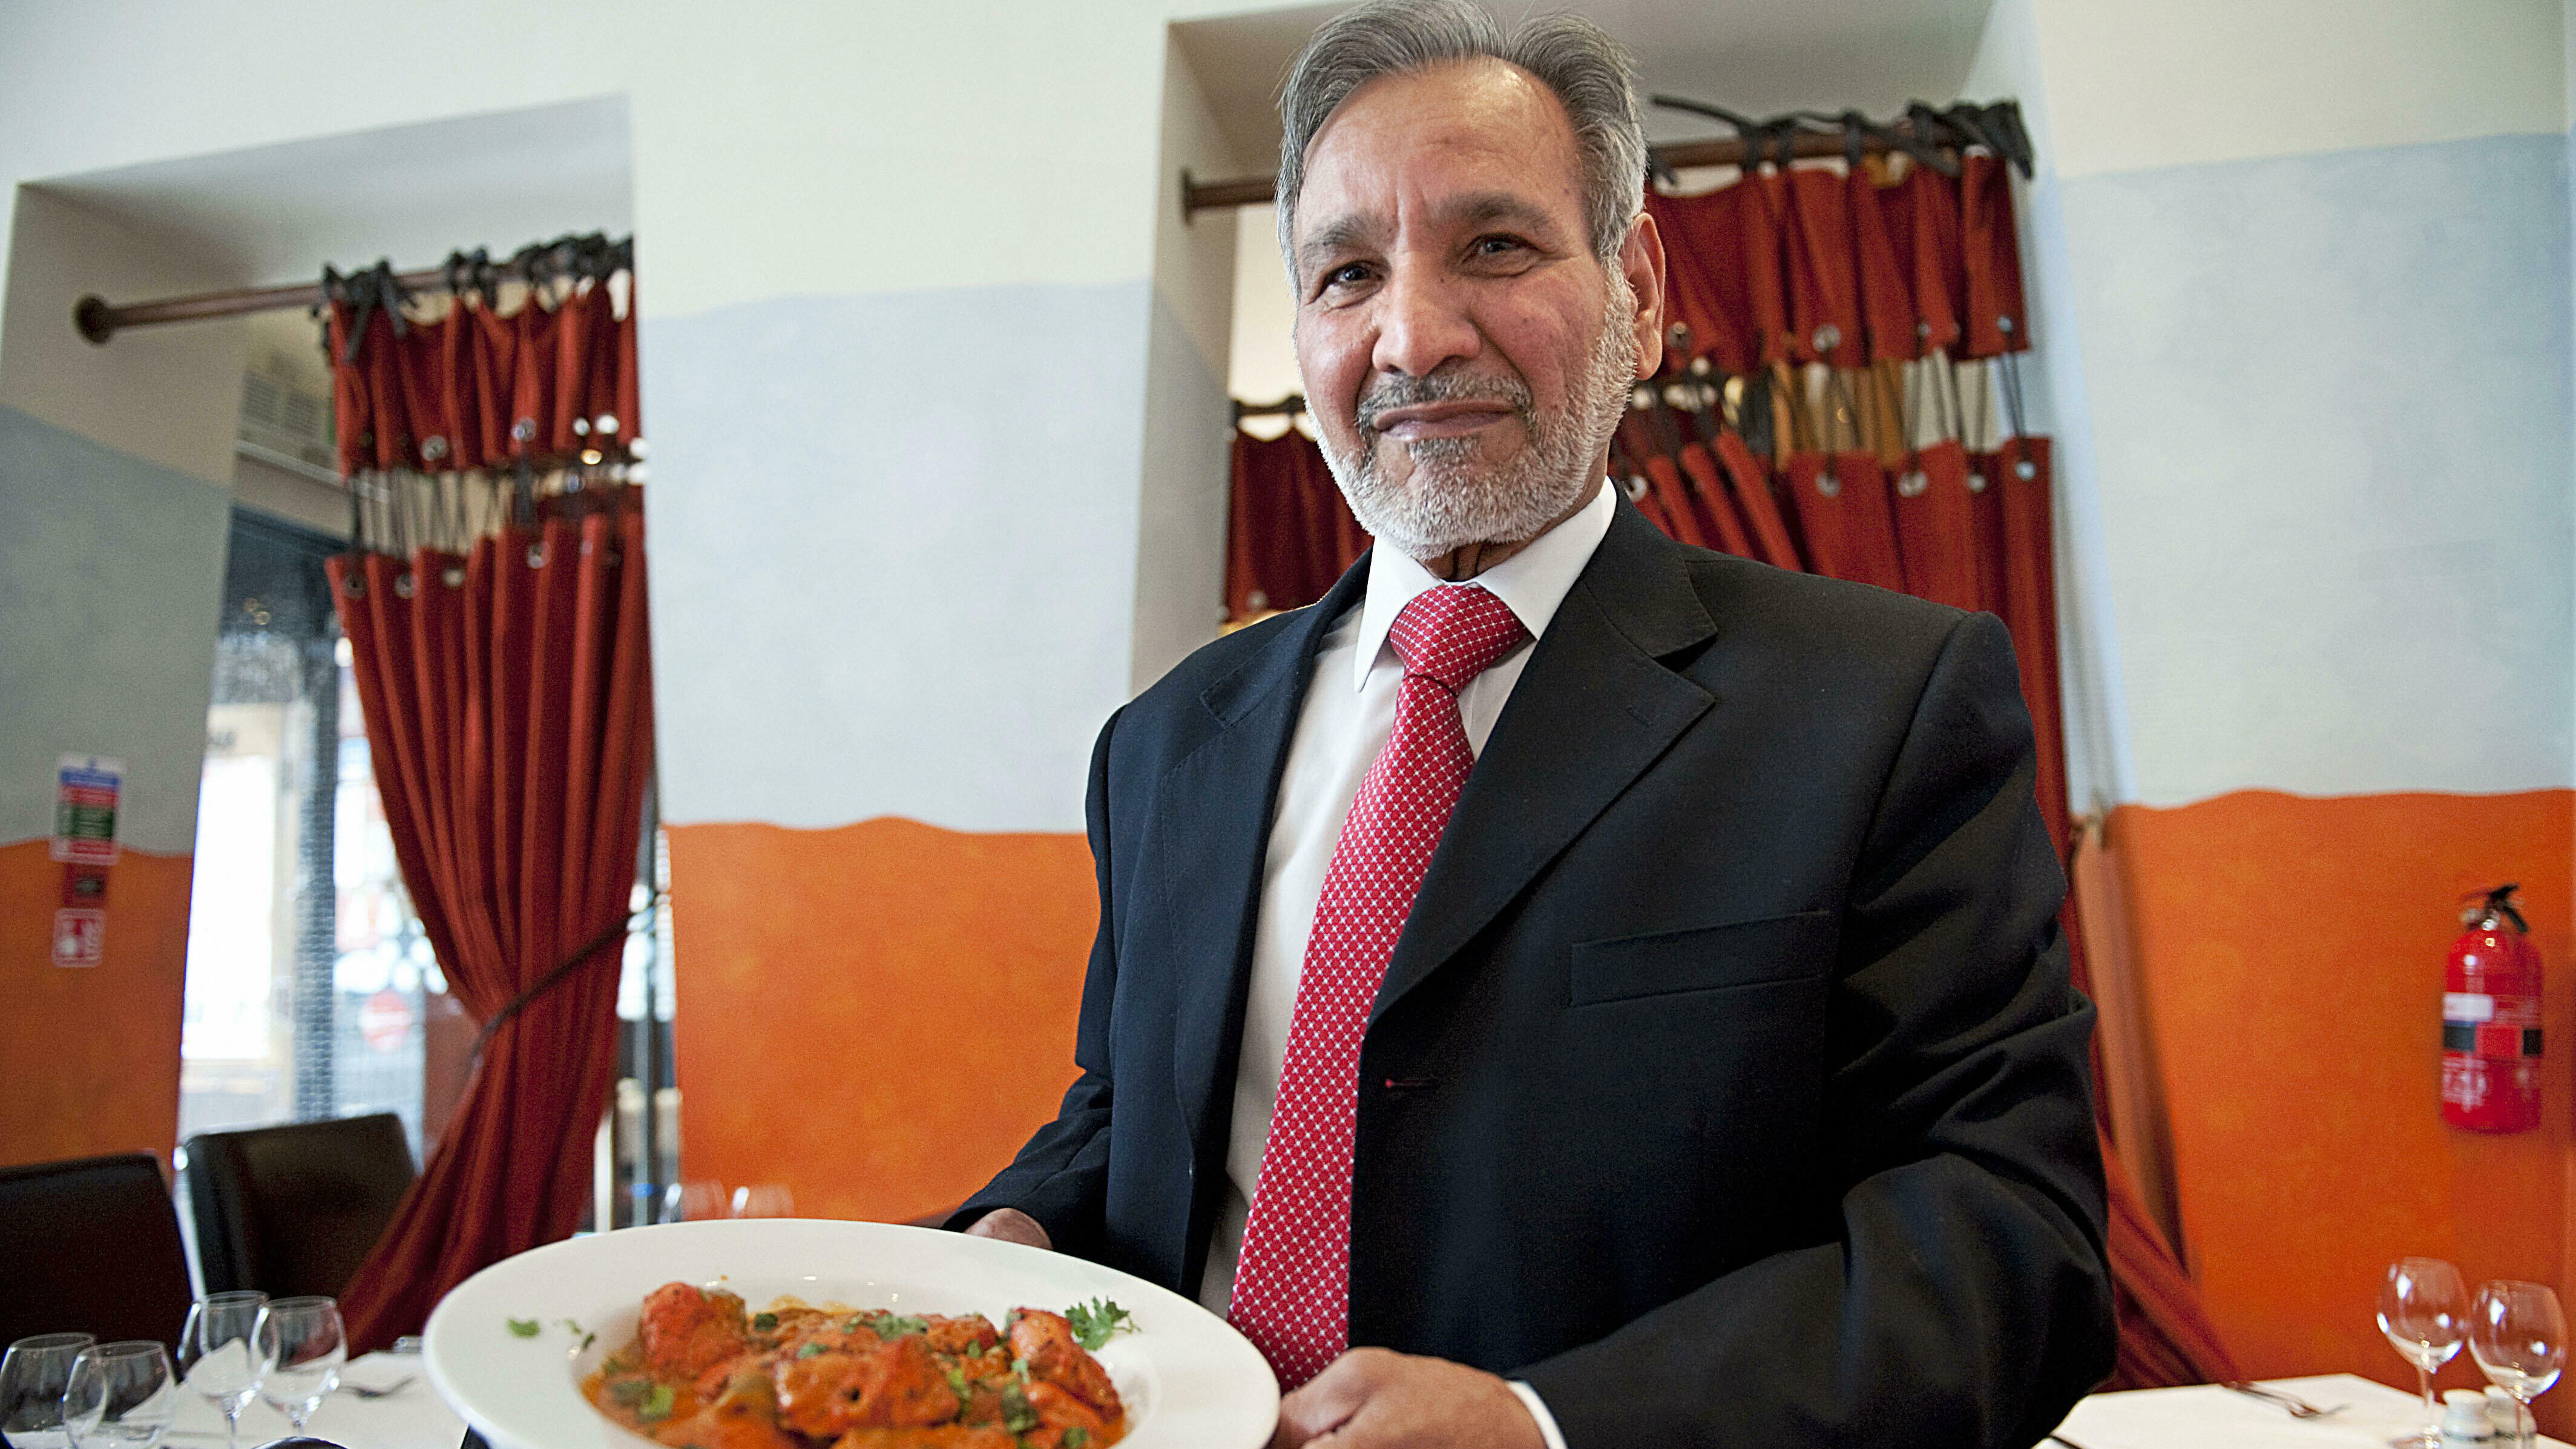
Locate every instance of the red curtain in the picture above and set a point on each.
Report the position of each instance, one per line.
(544, 385)
(1288, 532)
(1809, 418)
(503, 669)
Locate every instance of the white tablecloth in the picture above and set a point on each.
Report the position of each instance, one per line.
(411, 1419)
(2197, 1417)
(2205, 1415)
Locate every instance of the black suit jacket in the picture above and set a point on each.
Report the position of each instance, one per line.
(1726, 1083)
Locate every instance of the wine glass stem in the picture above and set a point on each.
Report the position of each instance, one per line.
(232, 1425)
(2432, 1414)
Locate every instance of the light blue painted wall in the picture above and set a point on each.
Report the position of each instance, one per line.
(2100, 765)
(2329, 405)
(894, 551)
(111, 571)
(1180, 548)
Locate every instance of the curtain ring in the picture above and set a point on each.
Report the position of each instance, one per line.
(355, 586)
(1912, 483)
(1976, 480)
(536, 555)
(402, 585)
(454, 577)
(2025, 469)
(1829, 485)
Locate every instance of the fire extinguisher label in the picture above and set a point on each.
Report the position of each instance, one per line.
(2506, 1040)
(2467, 1006)
(2464, 1082)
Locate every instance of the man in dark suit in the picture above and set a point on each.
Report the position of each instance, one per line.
(1608, 988)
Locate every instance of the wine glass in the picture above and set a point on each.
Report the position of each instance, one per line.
(33, 1375)
(219, 1354)
(764, 1200)
(120, 1396)
(305, 1345)
(696, 1200)
(2519, 1337)
(2424, 1311)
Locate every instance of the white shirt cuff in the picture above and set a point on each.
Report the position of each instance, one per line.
(1538, 1410)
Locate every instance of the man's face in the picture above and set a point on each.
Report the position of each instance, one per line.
(1465, 353)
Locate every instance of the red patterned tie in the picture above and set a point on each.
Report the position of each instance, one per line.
(1292, 1284)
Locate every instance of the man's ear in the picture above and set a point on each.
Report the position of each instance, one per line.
(1641, 261)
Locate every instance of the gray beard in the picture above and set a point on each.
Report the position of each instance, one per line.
(1449, 501)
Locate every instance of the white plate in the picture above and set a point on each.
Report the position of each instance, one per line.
(1189, 1380)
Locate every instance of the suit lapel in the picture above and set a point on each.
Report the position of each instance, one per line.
(1592, 711)
(1215, 809)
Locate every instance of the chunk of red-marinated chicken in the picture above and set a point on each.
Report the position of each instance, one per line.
(1044, 1341)
(898, 1385)
(788, 1340)
(743, 1379)
(713, 1430)
(834, 1334)
(1058, 1411)
(945, 1436)
(686, 1331)
(972, 1334)
(744, 1418)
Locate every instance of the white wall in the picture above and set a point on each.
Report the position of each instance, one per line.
(902, 332)
(872, 235)
(1181, 510)
(2316, 424)
(2187, 82)
(172, 396)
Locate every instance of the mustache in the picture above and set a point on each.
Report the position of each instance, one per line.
(1389, 393)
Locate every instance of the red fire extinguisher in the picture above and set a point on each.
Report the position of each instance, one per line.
(2491, 1020)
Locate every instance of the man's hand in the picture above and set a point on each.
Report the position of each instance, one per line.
(1375, 1398)
(1011, 1226)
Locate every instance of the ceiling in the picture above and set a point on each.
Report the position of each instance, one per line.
(276, 214)
(1759, 57)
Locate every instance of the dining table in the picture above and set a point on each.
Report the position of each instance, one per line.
(412, 1416)
(2363, 1414)
(2360, 1414)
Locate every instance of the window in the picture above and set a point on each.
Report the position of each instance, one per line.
(307, 974)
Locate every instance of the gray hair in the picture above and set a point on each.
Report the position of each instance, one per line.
(1590, 74)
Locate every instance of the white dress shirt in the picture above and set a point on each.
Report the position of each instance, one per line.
(1349, 712)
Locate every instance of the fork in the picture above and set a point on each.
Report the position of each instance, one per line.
(2298, 1408)
(364, 1392)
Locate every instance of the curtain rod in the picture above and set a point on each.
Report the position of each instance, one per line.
(1198, 196)
(98, 319)
(1925, 133)
(1289, 406)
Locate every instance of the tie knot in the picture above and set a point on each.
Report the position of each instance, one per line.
(1452, 632)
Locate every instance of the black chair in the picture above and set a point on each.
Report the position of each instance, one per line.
(294, 1209)
(91, 1246)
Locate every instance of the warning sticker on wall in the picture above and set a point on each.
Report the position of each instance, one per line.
(80, 937)
(85, 793)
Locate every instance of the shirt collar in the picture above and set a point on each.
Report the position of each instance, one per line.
(1531, 583)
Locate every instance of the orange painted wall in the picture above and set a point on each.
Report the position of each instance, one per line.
(91, 1056)
(2291, 952)
(875, 1015)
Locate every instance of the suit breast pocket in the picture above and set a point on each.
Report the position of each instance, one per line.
(1704, 958)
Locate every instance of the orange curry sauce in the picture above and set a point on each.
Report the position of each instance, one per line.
(703, 1373)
